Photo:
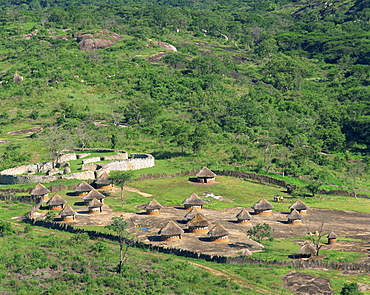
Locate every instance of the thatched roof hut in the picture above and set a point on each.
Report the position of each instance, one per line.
(332, 238)
(39, 191)
(83, 188)
(68, 214)
(56, 202)
(219, 234)
(193, 202)
(94, 206)
(307, 250)
(246, 252)
(198, 224)
(243, 216)
(205, 175)
(93, 194)
(103, 181)
(299, 206)
(153, 207)
(263, 207)
(171, 231)
(192, 213)
(294, 217)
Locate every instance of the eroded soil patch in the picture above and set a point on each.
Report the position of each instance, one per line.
(304, 284)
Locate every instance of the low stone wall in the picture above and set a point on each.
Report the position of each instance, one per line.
(85, 175)
(118, 156)
(67, 157)
(131, 164)
(19, 179)
(91, 160)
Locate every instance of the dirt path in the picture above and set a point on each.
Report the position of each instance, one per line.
(134, 190)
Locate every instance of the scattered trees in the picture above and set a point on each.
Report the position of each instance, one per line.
(120, 178)
(260, 232)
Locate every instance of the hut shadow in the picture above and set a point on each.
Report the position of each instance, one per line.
(155, 238)
(237, 222)
(182, 221)
(203, 239)
(285, 212)
(141, 213)
(283, 221)
(72, 194)
(180, 208)
(240, 245)
(79, 204)
(193, 179)
(84, 212)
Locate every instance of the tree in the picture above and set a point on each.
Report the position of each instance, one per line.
(56, 140)
(350, 289)
(316, 236)
(260, 232)
(353, 173)
(119, 225)
(120, 178)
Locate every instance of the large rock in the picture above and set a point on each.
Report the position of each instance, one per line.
(98, 40)
(17, 78)
(165, 45)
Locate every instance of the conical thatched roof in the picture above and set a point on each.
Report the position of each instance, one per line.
(294, 215)
(332, 235)
(39, 190)
(244, 215)
(193, 200)
(198, 221)
(94, 203)
(262, 204)
(307, 249)
(153, 205)
(56, 200)
(171, 229)
(218, 231)
(246, 252)
(83, 187)
(94, 194)
(103, 179)
(299, 205)
(67, 211)
(192, 213)
(205, 172)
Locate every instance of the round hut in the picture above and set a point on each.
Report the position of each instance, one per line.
(205, 175)
(243, 216)
(294, 217)
(171, 232)
(93, 194)
(68, 214)
(103, 181)
(56, 202)
(153, 207)
(198, 224)
(192, 214)
(307, 250)
(246, 252)
(299, 206)
(332, 238)
(95, 206)
(218, 234)
(39, 191)
(83, 189)
(193, 202)
(262, 207)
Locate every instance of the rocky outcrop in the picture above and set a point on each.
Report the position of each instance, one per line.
(97, 40)
(165, 45)
(17, 78)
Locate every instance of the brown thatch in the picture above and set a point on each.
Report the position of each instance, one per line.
(83, 187)
(307, 249)
(332, 235)
(94, 203)
(205, 172)
(93, 194)
(198, 221)
(243, 215)
(299, 205)
(56, 200)
(192, 213)
(39, 190)
(262, 204)
(171, 229)
(246, 252)
(103, 179)
(294, 215)
(218, 231)
(193, 200)
(67, 211)
(153, 205)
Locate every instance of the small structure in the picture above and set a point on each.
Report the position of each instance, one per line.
(171, 232)
(193, 202)
(243, 216)
(103, 181)
(205, 175)
(262, 207)
(68, 214)
(192, 214)
(246, 252)
(83, 189)
(299, 206)
(218, 234)
(294, 217)
(153, 207)
(332, 238)
(93, 194)
(39, 191)
(198, 224)
(95, 206)
(56, 202)
(307, 250)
